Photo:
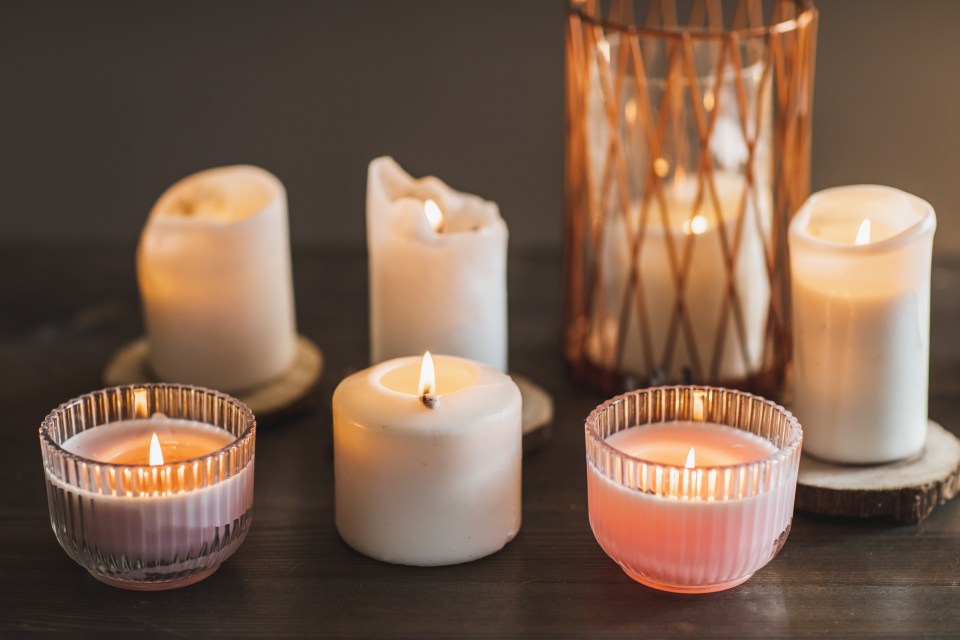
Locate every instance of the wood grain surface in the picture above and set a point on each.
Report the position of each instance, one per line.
(66, 308)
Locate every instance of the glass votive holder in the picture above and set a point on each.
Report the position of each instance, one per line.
(691, 489)
(150, 487)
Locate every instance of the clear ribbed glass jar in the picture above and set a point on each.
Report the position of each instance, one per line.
(691, 526)
(141, 526)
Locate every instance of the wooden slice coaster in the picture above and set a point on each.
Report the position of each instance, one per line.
(131, 364)
(907, 490)
(537, 413)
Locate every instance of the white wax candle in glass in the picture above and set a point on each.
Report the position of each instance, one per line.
(691, 489)
(860, 265)
(150, 487)
(427, 461)
(705, 288)
(438, 269)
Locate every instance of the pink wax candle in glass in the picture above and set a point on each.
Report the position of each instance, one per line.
(691, 489)
(150, 487)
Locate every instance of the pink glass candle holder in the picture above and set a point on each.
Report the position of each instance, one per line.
(691, 489)
(150, 487)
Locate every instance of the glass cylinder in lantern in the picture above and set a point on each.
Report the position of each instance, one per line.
(688, 144)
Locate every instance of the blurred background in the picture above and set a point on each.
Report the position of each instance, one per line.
(105, 104)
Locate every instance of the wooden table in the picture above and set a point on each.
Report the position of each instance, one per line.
(66, 309)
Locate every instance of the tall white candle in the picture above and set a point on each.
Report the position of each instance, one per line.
(860, 262)
(706, 282)
(427, 474)
(215, 279)
(436, 283)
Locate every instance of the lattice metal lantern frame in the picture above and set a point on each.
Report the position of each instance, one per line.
(687, 152)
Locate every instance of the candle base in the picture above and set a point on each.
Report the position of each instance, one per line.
(906, 490)
(684, 588)
(286, 394)
(163, 585)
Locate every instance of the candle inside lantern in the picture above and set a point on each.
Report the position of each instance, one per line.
(214, 272)
(688, 505)
(729, 350)
(427, 459)
(438, 264)
(149, 502)
(860, 265)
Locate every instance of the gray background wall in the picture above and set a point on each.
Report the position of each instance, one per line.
(104, 104)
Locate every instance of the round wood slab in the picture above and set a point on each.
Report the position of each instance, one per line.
(907, 490)
(537, 413)
(131, 364)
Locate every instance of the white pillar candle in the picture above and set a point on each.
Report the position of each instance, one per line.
(437, 283)
(427, 474)
(705, 292)
(215, 279)
(860, 263)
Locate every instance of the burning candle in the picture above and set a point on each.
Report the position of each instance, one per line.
(860, 263)
(691, 489)
(427, 458)
(146, 501)
(686, 225)
(438, 265)
(214, 273)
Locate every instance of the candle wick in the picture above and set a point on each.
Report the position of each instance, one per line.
(430, 401)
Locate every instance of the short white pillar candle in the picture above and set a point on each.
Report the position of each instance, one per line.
(215, 280)
(427, 474)
(860, 263)
(438, 269)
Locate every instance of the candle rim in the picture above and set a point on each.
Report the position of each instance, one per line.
(781, 454)
(249, 419)
(272, 183)
(927, 223)
(398, 186)
(469, 406)
(381, 369)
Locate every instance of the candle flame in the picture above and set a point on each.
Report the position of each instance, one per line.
(695, 226)
(661, 167)
(863, 233)
(156, 454)
(604, 47)
(630, 111)
(434, 215)
(428, 377)
(139, 403)
(709, 100)
(691, 459)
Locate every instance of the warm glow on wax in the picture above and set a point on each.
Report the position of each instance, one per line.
(691, 459)
(140, 403)
(156, 454)
(434, 215)
(428, 378)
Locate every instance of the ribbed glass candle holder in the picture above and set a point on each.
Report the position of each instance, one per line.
(147, 527)
(689, 527)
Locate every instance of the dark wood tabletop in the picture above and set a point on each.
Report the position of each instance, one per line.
(65, 309)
